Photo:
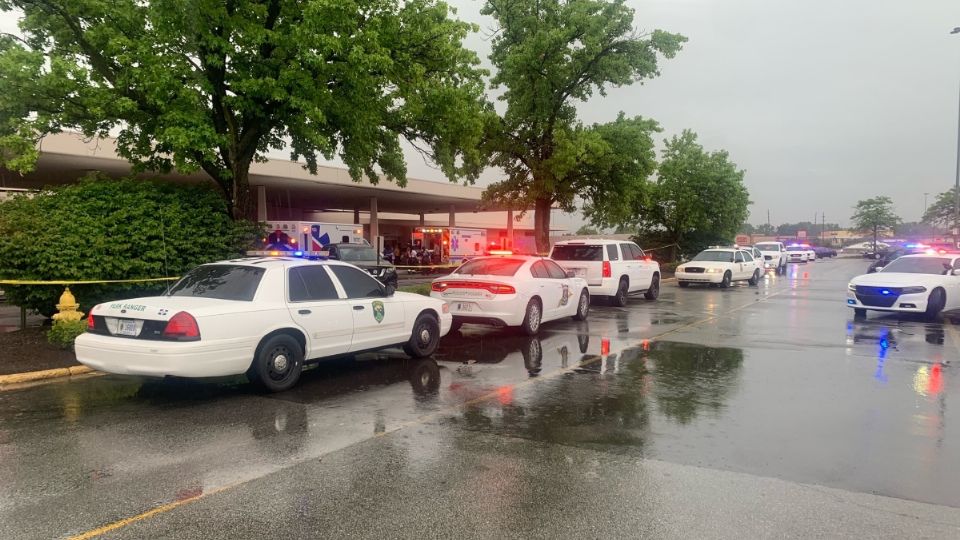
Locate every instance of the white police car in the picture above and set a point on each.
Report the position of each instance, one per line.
(263, 317)
(512, 290)
(720, 266)
(923, 283)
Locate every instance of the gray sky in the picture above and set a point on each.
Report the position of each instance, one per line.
(823, 102)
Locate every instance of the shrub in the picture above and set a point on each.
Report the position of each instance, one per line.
(105, 229)
(63, 333)
(423, 288)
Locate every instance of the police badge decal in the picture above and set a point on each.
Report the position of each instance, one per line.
(378, 311)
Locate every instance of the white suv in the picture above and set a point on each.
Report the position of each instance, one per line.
(774, 256)
(612, 268)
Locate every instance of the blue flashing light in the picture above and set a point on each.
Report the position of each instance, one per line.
(298, 254)
(852, 302)
(885, 291)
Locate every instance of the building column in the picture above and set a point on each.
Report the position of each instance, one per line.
(374, 222)
(509, 230)
(422, 221)
(261, 203)
(453, 216)
(356, 216)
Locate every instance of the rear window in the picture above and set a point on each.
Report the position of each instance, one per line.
(490, 267)
(577, 253)
(221, 281)
(768, 247)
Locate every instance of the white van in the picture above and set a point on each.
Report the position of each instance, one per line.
(612, 268)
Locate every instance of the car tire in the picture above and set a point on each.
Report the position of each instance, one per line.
(278, 364)
(859, 313)
(654, 291)
(726, 280)
(424, 338)
(683, 284)
(936, 303)
(583, 306)
(620, 299)
(532, 317)
(755, 279)
(782, 269)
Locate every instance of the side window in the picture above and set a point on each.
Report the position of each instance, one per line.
(311, 283)
(637, 251)
(555, 271)
(539, 270)
(747, 257)
(357, 283)
(627, 250)
(612, 253)
(738, 257)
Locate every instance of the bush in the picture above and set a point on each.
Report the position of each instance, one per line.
(105, 229)
(423, 288)
(669, 268)
(63, 333)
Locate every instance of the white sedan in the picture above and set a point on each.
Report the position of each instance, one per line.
(263, 317)
(797, 254)
(923, 283)
(720, 266)
(512, 290)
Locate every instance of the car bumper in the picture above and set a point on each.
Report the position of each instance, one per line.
(797, 260)
(608, 287)
(699, 278)
(905, 303)
(508, 311)
(162, 358)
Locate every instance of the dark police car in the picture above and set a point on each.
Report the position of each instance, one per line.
(364, 256)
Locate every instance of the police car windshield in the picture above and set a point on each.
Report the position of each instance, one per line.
(919, 265)
(797, 248)
(768, 247)
(356, 253)
(490, 267)
(714, 256)
(220, 281)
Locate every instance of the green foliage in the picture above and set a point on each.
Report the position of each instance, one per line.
(112, 229)
(586, 230)
(213, 85)
(423, 288)
(941, 212)
(63, 333)
(549, 55)
(790, 229)
(697, 200)
(874, 214)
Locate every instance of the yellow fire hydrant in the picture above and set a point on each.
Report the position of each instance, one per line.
(68, 307)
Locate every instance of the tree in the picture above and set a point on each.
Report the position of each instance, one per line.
(549, 55)
(812, 229)
(698, 196)
(941, 213)
(765, 229)
(874, 214)
(747, 228)
(213, 86)
(586, 230)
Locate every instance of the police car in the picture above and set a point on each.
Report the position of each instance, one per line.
(797, 254)
(263, 317)
(925, 283)
(512, 290)
(720, 266)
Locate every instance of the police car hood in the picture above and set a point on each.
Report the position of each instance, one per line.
(898, 279)
(161, 308)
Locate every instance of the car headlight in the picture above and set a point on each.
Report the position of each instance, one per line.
(681, 269)
(714, 270)
(913, 290)
(851, 287)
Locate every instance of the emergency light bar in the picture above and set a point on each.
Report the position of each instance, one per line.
(299, 254)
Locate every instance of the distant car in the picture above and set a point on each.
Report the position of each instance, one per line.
(613, 268)
(263, 317)
(364, 256)
(774, 256)
(893, 254)
(512, 290)
(720, 266)
(925, 283)
(797, 254)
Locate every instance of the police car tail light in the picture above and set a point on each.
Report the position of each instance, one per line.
(439, 286)
(607, 270)
(91, 324)
(495, 288)
(182, 327)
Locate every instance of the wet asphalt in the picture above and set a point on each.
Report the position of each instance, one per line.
(751, 412)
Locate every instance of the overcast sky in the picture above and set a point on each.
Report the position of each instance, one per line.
(823, 102)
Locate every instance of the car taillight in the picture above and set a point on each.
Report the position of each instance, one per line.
(438, 286)
(91, 324)
(182, 327)
(495, 288)
(607, 271)
(498, 288)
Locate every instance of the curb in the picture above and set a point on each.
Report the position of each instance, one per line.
(31, 376)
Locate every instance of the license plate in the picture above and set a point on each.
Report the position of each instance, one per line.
(127, 328)
(464, 307)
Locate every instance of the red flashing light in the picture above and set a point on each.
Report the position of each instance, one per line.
(500, 252)
(91, 324)
(607, 270)
(495, 288)
(182, 327)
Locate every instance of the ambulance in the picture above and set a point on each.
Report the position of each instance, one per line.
(306, 238)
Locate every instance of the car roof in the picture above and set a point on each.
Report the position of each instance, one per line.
(950, 255)
(276, 262)
(724, 249)
(592, 241)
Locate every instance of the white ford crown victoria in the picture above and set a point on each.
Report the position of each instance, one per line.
(512, 290)
(263, 317)
(923, 283)
(720, 266)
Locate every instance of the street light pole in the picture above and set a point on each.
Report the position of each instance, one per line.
(956, 185)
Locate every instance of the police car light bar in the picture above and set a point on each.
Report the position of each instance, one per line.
(298, 253)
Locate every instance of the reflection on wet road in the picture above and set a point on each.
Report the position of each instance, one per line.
(777, 381)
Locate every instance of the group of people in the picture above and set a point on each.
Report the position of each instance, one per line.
(412, 255)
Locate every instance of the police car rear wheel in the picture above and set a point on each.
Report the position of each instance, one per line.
(278, 364)
(583, 306)
(425, 337)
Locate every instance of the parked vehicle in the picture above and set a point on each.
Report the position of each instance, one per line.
(720, 266)
(612, 268)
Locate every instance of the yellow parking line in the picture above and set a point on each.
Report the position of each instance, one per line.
(419, 421)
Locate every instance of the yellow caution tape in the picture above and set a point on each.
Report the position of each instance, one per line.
(81, 282)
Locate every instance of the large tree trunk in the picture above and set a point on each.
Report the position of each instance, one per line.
(541, 224)
(240, 207)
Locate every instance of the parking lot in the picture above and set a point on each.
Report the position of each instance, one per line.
(746, 412)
